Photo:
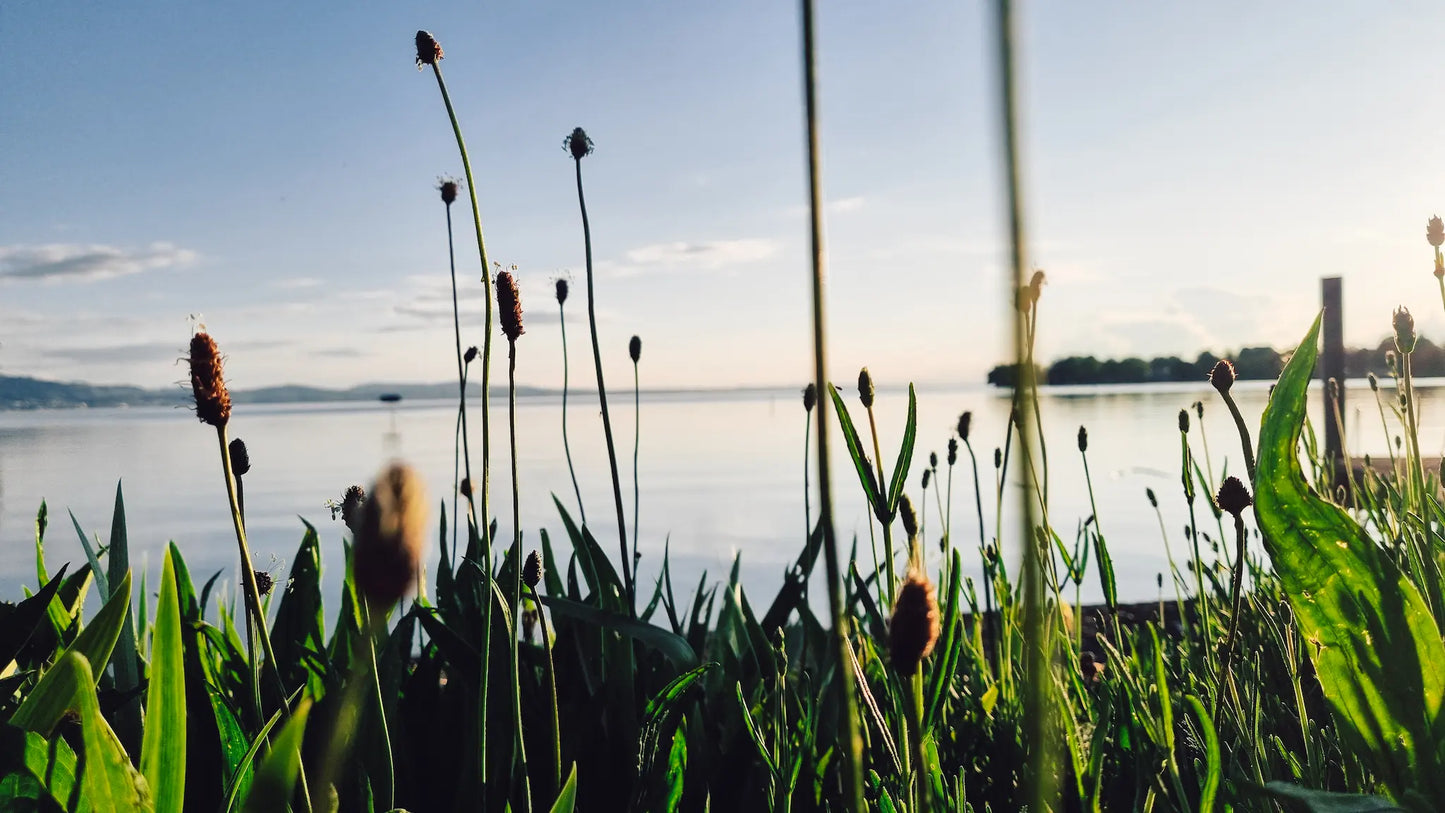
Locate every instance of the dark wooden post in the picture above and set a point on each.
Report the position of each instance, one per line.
(1333, 367)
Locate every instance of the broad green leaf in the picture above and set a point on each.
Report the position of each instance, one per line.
(50, 763)
(276, 778)
(674, 646)
(1320, 801)
(866, 477)
(905, 454)
(567, 798)
(1373, 641)
(18, 623)
(163, 749)
(297, 634)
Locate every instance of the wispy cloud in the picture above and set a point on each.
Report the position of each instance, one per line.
(682, 256)
(432, 301)
(297, 283)
(77, 262)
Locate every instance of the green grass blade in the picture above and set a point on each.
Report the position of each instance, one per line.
(95, 643)
(276, 778)
(866, 477)
(297, 634)
(1373, 641)
(163, 749)
(91, 555)
(1213, 765)
(127, 663)
(567, 799)
(241, 781)
(905, 453)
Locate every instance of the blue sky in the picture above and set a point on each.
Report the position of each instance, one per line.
(1192, 172)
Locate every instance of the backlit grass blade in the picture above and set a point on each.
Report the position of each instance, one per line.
(1373, 641)
(866, 477)
(163, 749)
(276, 778)
(905, 453)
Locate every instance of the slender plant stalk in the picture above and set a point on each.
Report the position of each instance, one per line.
(602, 397)
(852, 745)
(1036, 723)
(1244, 439)
(550, 675)
(636, 445)
(376, 623)
(252, 590)
(461, 367)
(1237, 600)
(516, 577)
(923, 794)
(807, 493)
(567, 447)
(482, 521)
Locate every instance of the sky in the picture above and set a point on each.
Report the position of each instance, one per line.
(269, 170)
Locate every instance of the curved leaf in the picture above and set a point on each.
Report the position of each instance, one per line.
(1373, 641)
(855, 451)
(905, 453)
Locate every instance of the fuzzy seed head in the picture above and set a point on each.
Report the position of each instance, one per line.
(509, 305)
(471, 355)
(913, 627)
(634, 348)
(449, 191)
(1404, 325)
(1222, 376)
(810, 397)
(561, 291)
(351, 508)
(1233, 496)
(240, 458)
(428, 50)
(1184, 421)
(213, 402)
(532, 569)
(1083, 439)
(264, 582)
(578, 144)
(952, 451)
(964, 421)
(392, 536)
(865, 388)
(1435, 231)
(908, 516)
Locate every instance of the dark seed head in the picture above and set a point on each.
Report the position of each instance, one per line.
(927, 473)
(952, 451)
(913, 627)
(561, 291)
(634, 348)
(471, 355)
(907, 515)
(1374, 382)
(1184, 420)
(578, 144)
(264, 582)
(865, 388)
(1153, 500)
(1233, 496)
(449, 191)
(213, 401)
(532, 569)
(1222, 376)
(1083, 439)
(997, 457)
(465, 487)
(509, 305)
(964, 421)
(393, 535)
(1404, 325)
(1199, 410)
(810, 397)
(428, 51)
(933, 460)
(351, 507)
(240, 458)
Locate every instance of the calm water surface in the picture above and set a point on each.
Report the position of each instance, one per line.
(720, 474)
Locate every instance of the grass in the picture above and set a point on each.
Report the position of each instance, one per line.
(920, 690)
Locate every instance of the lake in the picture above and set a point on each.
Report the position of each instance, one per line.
(721, 474)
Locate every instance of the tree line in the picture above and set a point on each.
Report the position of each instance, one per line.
(1250, 363)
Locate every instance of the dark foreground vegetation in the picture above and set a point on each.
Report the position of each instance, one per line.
(542, 675)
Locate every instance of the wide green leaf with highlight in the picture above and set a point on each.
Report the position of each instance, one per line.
(1373, 641)
(163, 749)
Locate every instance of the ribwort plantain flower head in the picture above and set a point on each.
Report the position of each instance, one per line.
(810, 397)
(1184, 421)
(561, 291)
(1404, 325)
(240, 457)
(952, 451)
(964, 421)
(448, 187)
(907, 515)
(428, 50)
(1233, 496)
(213, 401)
(392, 536)
(471, 355)
(532, 570)
(1083, 439)
(351, 504)
(914, 625)
(578, 144)
(1222, 376)
(634, 348)
(509, 305)
(1435, 231)
(865, 388)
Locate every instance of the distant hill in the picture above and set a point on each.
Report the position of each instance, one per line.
(21, 392)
